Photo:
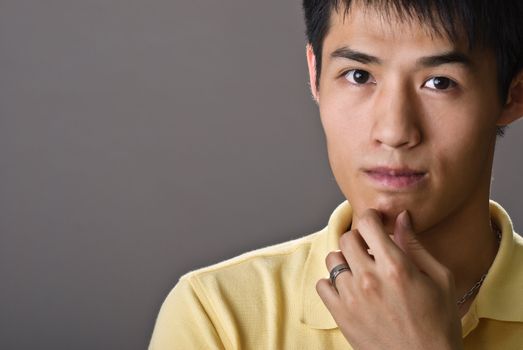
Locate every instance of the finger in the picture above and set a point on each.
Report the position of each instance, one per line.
(355, 251)
(371, 229)
(406, 239)
(328, 294)
(342, 280)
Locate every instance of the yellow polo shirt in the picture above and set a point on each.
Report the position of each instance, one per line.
(266, 298)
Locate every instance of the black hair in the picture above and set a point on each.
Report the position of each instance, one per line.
(490, 24)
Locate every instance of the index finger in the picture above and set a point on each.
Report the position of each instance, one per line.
(371, 228)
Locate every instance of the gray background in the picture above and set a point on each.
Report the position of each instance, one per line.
(142, 139)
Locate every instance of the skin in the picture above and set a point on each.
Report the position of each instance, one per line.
(399, 116)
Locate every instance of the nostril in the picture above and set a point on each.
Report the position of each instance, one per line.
(396, 118)
(396, 133)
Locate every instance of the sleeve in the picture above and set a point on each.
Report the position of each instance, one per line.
(184, 323)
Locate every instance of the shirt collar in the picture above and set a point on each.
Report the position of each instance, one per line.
(314, 313)
(498, 298)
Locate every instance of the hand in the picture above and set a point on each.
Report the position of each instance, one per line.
(399, 297)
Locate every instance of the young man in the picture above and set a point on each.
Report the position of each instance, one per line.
(411, 96)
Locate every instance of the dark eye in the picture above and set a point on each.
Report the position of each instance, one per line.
(440, 83)
(358, 76)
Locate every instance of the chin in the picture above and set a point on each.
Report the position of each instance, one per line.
(388, 222)
(390, 205)
(415, 211)
(390, 208)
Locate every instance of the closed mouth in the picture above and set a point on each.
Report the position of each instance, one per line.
(396, 178)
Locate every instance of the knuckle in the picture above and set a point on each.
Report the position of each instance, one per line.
(369, 220)
(349, 302)
(343, 241)
(366, 219)
(346, 239)
(332, 258)
(320, 285)
(368, 282)
(396, 271)
(370, 216)
(447, 276)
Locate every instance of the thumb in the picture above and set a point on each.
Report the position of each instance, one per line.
(405, 238)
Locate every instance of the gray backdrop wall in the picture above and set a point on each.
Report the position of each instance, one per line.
(142, 139)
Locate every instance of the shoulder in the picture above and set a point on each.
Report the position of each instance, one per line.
(256, 266)
(232, 301)
(264, 282)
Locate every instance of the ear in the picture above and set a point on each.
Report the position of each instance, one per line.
(311, 63)
(513, 109)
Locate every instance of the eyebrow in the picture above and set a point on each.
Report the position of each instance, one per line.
(445, 58)
(350, 54)
(448, 57)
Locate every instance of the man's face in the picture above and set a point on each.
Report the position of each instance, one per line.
(409, 118)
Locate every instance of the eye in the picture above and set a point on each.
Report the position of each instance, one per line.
(440, 83)
(358, 77)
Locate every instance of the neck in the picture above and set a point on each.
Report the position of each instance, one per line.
(465, 243)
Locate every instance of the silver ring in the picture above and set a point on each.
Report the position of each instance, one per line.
(336, 271)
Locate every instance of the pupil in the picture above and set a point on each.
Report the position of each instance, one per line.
(360, 76)
(441, 83)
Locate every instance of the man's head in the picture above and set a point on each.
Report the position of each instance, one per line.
(410, 101)
(492, 25)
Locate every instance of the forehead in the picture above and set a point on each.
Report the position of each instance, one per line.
(438, 21)
(399, 44)
(381, 23)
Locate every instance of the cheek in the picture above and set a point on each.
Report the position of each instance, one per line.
(461, 144)
(465, 160)
(344, 115)
(342, 143)
(345, 132)
(461, 134)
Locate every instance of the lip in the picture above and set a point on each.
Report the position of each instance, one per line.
(396, 178)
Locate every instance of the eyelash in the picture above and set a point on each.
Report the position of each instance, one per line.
(452, 83)
(344, 74)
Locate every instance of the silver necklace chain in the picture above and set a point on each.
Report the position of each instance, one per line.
(478, 284)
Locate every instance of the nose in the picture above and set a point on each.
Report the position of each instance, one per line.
(396, 120)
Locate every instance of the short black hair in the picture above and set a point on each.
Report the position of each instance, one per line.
(490, 24)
